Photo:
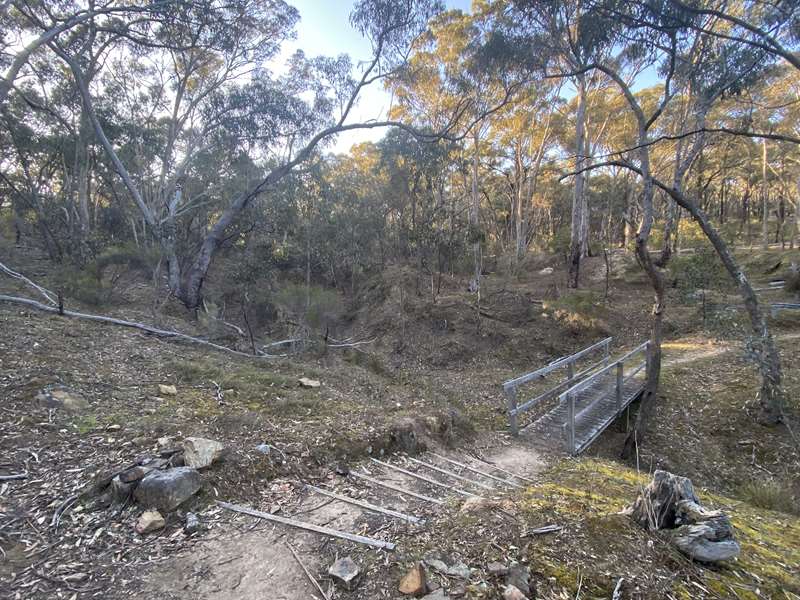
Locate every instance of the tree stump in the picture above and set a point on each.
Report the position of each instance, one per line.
(669, 502)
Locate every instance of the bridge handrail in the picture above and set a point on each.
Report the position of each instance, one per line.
(552, 391)
(510, 386)
(559, 362)
(584, 383)
(570, 394)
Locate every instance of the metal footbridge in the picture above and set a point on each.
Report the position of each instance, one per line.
(576, 397)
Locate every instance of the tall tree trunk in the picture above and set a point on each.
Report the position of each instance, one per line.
(796, 224)
(762, 348)
(628, 232)
(653, 371)
(764, 198)
(474, 221)
(577, 242)
(519, 213)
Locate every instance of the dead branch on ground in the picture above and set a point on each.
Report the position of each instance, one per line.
(163, 333)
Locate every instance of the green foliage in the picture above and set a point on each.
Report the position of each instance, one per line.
(315, 305)
(97, 283)
(560, 242)
(85, 424)
(476, 235)
(699, 277)
(127, 256)
(581, 310)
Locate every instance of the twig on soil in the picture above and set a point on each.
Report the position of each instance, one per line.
(618, 590)
(423, 478)
(308, 526)
(60, 510)
(13, 476)
(351, 344)
(479, 472)
(543, 530)
(310, 577)
(366, 505)
(396, 488)
(495, 467)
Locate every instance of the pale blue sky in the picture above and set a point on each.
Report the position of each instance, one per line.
(324, 29)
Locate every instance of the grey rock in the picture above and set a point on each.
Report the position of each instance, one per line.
(154, 463)
(513, 593)
(520, 577)
(459, 570)
(193, 524)
(264, 449)
(345, 571)
(497, 569)
(120, 490)
(437, 595)
(437, 565)
(61, 397)
(150, 521)
(134, 474)
(199, 453)
(166, 490)
(458, 590)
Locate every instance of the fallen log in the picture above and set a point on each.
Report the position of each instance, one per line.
(163, 333)
(46, 294)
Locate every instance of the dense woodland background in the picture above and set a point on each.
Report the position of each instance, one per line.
(185, 254)
(170, 140)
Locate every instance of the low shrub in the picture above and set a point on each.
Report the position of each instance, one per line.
(315, 305)
(771, 495)
(98, 282)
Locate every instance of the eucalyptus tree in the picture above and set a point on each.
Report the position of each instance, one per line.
(206, 48)
(719, 75)
(459, 67)
(521, 135)
(563, 38)
(28, 27)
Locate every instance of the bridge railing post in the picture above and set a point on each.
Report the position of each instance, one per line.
(620, 373)
(607, 354)
(571, 422)
(511, 399)
(570, 372)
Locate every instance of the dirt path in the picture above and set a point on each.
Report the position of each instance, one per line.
(248, 559)
(688, 356)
